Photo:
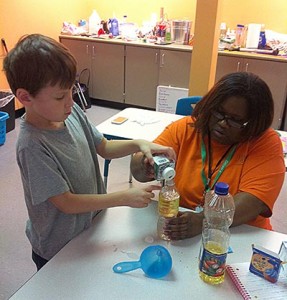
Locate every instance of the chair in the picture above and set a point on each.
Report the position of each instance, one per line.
(185, 105)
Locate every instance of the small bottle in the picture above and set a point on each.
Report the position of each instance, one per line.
(222, 36)
(161, 14)
(125, 19)
(124, 27)
(262, 38)
(219, 210)
(223, 30)
(168, 32)
(238, 37)
(168, 204)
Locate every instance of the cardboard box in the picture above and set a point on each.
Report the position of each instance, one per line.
(265, 263)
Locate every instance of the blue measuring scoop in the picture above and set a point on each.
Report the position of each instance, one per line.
(155, 261)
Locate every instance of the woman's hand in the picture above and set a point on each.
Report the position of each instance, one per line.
(185, 225)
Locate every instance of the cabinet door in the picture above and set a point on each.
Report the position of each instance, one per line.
(141, 76)
(81, 51)
(174, 69)
(108, 71)
(274, 74)
(228, 64)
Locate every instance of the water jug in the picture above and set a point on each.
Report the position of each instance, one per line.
(94, 23)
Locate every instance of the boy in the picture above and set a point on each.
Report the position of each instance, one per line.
(57, 149)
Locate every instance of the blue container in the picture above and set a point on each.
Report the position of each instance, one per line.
(114, 27)
(3, 117)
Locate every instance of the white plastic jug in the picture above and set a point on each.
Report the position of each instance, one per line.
(94, 23)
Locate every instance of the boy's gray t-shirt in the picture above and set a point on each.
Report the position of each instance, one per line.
(51, 163)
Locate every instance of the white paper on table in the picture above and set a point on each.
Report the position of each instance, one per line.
(144, 120)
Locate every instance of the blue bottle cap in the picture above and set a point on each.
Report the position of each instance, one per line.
(221, 188)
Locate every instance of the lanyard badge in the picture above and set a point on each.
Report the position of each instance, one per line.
(207, 183)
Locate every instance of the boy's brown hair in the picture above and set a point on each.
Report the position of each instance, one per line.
(38, 61)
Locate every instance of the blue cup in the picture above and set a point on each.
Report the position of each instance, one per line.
(155, 261)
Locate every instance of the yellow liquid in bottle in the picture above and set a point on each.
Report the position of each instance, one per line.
(168, 207)
(162, 231)
(214, 248)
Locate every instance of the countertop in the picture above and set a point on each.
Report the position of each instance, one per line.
(177, 47)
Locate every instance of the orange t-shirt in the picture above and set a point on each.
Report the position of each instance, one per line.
(257, 167)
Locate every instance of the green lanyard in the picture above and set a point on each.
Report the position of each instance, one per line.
(205, 180)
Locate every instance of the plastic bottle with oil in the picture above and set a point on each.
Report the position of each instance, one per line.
(219, 210)
(168, 204)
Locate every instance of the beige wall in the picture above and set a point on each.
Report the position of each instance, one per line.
(31, 16)
(270, 12)
(137, 11)
(23, 17)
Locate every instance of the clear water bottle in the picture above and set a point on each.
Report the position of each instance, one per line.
(168, 204)
(219, 210)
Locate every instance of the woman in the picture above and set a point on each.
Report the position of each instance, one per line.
(228, 138)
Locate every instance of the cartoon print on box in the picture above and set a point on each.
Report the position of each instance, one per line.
(265, 265)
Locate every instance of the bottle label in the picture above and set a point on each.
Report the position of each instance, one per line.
(212, 264)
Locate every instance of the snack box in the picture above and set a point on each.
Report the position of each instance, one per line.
(265, 263)
(283, 256)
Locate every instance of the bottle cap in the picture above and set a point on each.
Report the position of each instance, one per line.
(221, 188)
(168, 173)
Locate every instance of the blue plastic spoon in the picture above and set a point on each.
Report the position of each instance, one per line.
(155, 261)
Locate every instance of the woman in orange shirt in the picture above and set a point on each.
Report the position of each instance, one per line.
(228, 138)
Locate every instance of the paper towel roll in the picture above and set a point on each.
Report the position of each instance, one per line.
(253, 34)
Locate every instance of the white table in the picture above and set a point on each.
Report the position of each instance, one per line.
(141, 124)
(83, 268)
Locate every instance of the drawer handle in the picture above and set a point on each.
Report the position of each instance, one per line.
(238, 66)
(246, 67)
(162, 60)
(156, 58)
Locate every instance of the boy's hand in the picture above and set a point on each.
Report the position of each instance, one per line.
(148, 149)
(140, 197)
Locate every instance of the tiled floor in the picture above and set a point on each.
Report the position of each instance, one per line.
(16, 267)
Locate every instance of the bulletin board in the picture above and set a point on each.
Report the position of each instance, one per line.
(167, 96)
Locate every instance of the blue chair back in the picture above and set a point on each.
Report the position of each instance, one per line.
(184, 105)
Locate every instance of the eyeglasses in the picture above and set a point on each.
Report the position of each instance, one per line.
(230, 121)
